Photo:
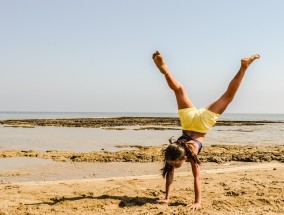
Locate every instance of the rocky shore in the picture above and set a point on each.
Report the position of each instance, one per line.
(214, 153)
(119, 121)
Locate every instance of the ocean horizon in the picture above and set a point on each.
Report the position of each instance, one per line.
(12, 115)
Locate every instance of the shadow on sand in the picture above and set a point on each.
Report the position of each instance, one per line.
(125, 201)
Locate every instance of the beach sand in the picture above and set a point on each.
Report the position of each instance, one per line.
(243, 189)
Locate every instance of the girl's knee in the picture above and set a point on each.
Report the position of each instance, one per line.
(179, 89)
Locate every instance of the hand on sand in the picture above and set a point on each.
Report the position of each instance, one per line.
(163, 201)
(245, 62)
(194, 207)
(160, 62)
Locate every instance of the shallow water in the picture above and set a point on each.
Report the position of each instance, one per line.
(260, 135)
(96, 139)
(78, 139)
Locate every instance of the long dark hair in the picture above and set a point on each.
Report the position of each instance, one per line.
(176, 151)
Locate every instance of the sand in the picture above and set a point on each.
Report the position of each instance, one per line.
(252, 189)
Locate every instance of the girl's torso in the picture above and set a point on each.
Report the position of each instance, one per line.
(195, 135)
(194, 140)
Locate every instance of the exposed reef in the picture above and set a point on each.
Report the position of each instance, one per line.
(110, 123)
(214, 153)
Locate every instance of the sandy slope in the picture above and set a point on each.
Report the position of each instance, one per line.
(256, 189)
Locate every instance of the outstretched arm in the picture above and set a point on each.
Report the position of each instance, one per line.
(197, 186)
(169, 181)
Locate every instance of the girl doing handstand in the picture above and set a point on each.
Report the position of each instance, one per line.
(195, 123)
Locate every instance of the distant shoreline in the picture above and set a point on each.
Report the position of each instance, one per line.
(122, 121)
(13, 115)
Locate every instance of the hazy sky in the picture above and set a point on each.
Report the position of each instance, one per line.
(96, 55)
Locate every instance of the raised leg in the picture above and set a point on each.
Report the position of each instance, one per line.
(222, 103)
(182, 98)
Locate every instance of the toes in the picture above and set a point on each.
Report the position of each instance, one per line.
(256, 56)
(155, 54)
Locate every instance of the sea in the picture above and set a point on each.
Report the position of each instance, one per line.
(98, 139)
(60, 115)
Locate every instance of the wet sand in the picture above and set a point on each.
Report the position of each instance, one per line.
(239, 190)
(25, 169)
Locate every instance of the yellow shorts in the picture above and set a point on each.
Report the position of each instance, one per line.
(200, 120)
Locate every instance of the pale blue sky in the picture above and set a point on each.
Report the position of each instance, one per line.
(96, 55)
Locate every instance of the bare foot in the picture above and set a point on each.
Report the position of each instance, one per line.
(160, 62)
(245, 62)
